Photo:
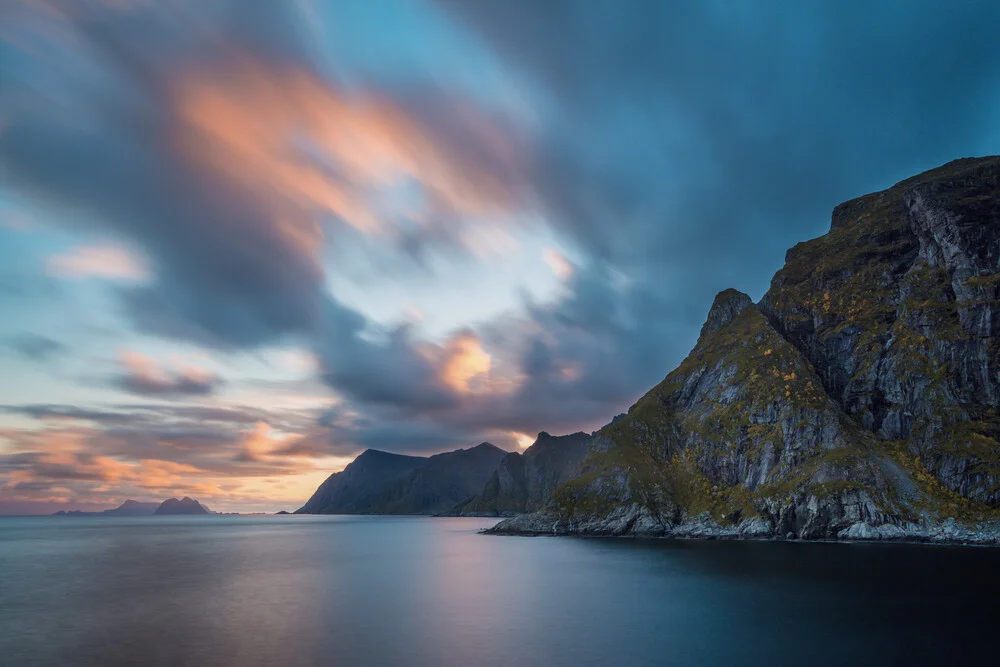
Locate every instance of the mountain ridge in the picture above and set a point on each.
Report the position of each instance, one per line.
(859, 399)
(128, 507)
(523, 481)
(378, 482)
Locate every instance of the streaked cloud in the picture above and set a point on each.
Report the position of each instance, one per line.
(244, 157)
(99, 261)
(327, 150)
(144, 375)
(87, 464)
(561, 267)
(464, 361)
(35, 346)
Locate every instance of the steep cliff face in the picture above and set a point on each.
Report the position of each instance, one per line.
(898, 310)
(859, 399)
(525, 482)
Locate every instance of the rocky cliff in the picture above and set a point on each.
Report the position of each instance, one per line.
(525, 482)
(859, 399)
(382, 483)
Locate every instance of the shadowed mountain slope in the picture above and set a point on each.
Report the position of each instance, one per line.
(382, 483)
(525, 482)
(859, 399)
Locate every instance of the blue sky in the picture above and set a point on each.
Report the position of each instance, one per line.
(240, 242)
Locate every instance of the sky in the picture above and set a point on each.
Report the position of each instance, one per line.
(241, 241)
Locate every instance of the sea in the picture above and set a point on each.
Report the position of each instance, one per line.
(294, 591)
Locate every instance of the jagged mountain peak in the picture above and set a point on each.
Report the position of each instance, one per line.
(524, 481)
(861, 396)
(727, 304)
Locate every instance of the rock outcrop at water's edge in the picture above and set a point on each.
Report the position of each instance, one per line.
(860, 399)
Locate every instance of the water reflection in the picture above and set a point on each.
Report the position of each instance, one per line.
(413, 591)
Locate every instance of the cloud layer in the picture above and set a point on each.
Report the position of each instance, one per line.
(656, 153)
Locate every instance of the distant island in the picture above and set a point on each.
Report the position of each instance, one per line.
(128, 508)
(185, 505)
(131, 507)
(859, 399)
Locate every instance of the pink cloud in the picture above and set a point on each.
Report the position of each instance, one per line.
(314, 147)
(99, 261)
(87, 466)
(561, 267)
(144, 375)
(464, 361)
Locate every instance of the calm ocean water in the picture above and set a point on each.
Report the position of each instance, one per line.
(291, 591)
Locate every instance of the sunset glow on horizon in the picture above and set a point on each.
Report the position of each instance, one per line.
(240, 243)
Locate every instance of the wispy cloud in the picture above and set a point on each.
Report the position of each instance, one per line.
(35, 346)
(144, 375)
(558, 264)
(676, 149)
(99, 261)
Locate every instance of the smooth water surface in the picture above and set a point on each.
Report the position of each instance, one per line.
(293, 590)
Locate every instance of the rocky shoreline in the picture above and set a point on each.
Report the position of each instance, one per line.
(857, 400)
(638, 524)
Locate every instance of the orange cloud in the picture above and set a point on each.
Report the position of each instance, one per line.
(523, 440)
(465, 359)
(67, 465)
(147, 376)
(285, 132)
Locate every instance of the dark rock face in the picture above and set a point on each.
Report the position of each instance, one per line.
(383, 483)
(860, 398)
(359, 487)
(443, 481)
(727, 305)
(897, 308)
(525, 482)
(185, 505)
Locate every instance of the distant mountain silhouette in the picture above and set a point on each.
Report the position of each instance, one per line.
(128, 508)
(183, 506)
(378, 482)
